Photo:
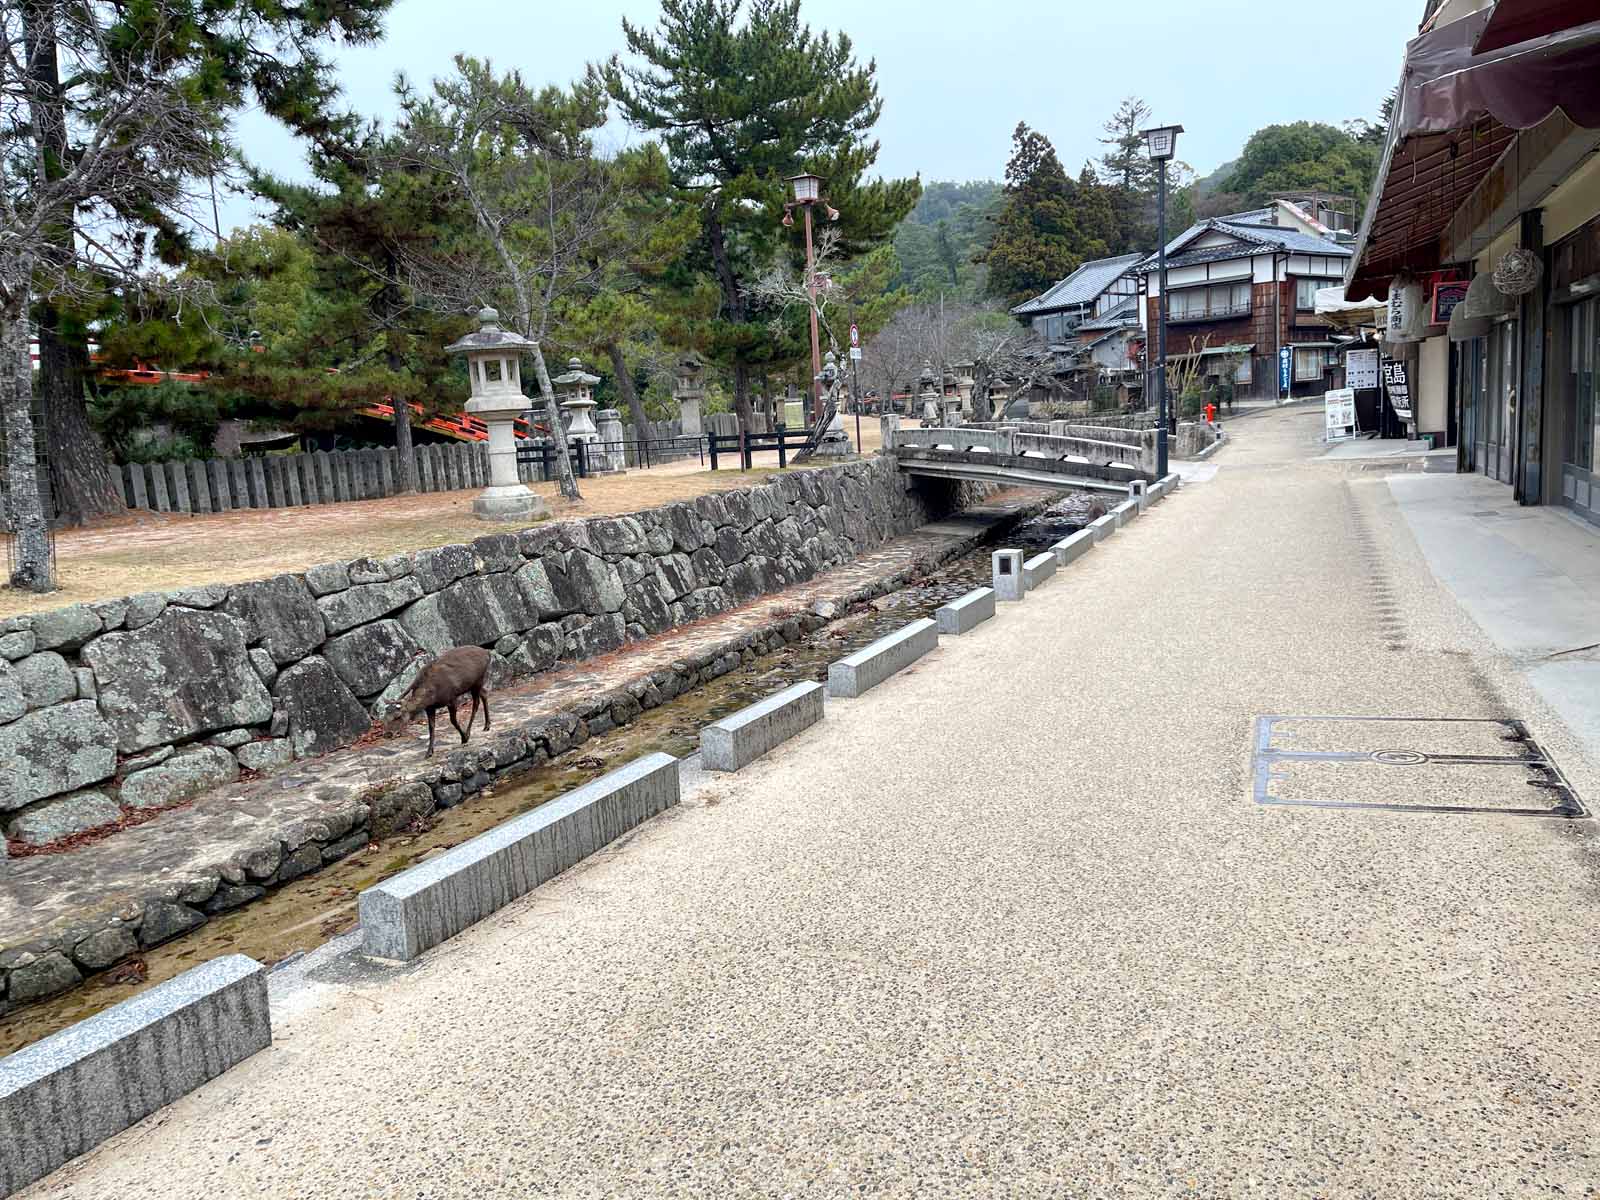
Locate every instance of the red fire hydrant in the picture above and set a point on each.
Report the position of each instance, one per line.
(1211, 412)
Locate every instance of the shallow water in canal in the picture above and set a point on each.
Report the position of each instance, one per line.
(302, 915)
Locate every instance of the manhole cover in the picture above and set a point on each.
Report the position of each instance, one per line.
(1409, 764)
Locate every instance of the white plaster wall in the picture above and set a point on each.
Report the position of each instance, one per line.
(1433, 385)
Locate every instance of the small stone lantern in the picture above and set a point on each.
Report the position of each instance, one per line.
(928, 394)
(577, 409)
(494, 366)
(690, 386)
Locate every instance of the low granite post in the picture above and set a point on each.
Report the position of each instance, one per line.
(1007, 573)
(738, 740)
(63, 1096)
(967, 613)
(435, 900)
(856, 674)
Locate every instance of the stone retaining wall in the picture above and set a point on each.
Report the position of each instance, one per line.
(140, 703)
(41, 962)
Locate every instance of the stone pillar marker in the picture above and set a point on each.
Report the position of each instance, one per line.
(494, 366)
(690, 386)
(609, 423)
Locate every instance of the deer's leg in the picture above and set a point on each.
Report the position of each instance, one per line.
(430, 733)
(457, 723)
(481, 695)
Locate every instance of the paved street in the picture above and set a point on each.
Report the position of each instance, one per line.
(1012, 923)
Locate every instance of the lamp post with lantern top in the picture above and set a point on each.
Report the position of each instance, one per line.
(1161, 143)
(808, 192)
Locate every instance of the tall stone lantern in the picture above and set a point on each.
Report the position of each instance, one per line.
(494, 366)
(928, 394)
(690, 385)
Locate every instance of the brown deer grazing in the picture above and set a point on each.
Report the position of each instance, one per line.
(443, 682)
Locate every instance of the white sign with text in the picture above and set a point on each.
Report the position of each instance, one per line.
(1339, 407)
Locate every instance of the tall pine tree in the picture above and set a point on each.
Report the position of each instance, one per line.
(744, 94)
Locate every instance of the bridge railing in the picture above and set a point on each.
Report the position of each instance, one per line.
(957, 437)
(1092, 449)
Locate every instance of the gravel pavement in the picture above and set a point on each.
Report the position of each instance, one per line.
(1010, 924)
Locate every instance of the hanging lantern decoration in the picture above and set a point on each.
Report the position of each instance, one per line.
(1518, 273)
(1408, 317)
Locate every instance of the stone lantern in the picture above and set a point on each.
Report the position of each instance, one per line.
(578, 415)
(494, 366)
(928, 394)
(689, 385)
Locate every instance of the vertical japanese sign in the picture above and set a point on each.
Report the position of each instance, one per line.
(1397, 382)
(1285, 369)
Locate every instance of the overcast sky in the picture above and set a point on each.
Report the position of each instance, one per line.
(957, 76)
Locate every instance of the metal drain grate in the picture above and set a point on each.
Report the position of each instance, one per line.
(1409, 764)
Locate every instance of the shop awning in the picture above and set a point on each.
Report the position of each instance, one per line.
(1456, 114)
(1514, 21)
(1239, 348)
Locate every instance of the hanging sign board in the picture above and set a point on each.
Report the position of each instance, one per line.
(1446, 295)
(1339, 409)
(1397, 383)
(1361, 369)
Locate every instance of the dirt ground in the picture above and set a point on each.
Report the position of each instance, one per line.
(148, 551)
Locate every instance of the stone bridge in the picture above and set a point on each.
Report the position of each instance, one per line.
(1010, 456)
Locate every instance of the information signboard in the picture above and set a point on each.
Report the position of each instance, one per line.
(1397, 382)
(1361, 369)
(1339, 410)
(1285, 369)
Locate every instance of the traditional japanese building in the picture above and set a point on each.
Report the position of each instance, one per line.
(1242, 291)
(1483, 233)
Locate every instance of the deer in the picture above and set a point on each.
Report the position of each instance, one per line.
(445, 680)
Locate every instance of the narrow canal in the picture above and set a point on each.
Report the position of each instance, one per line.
(302, 915)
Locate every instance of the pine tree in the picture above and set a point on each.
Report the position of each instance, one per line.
(217, 47)
(1127, 171)
(743, 95)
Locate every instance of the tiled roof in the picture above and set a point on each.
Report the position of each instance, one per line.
(1248, 228)
(1081, 287)
(1124, 313)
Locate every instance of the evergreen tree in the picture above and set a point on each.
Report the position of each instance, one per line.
(1302, 155)
(1037, 239)
(229, 53)
(364, 220)
(744, 94)
(1128, 173)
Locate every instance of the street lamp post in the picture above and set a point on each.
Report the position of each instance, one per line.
(1161, 143)
(808, 192)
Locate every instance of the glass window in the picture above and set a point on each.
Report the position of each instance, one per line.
(1583, 350)
(1242, 375)
(1308, 364)
(1305, 292)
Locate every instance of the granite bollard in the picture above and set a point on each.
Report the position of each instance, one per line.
(738, 740)
(1104, 527)
(1007, 575)
(967, 613)
(435, 900)
(1038, 568)
(63, 1096)
(1069, 549)
(858, 673)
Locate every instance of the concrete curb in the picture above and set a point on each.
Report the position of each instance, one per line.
(1104, 527)
(1211, 449)
(1038, 568)
(1069, 549)
(864, 670)
(967, 613)
(738, 740)
(63, 1096)
(435, 900)
(1125, 512)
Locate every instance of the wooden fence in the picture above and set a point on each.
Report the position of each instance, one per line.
(295, 480)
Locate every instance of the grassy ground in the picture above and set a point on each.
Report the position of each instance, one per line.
(146, 551)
